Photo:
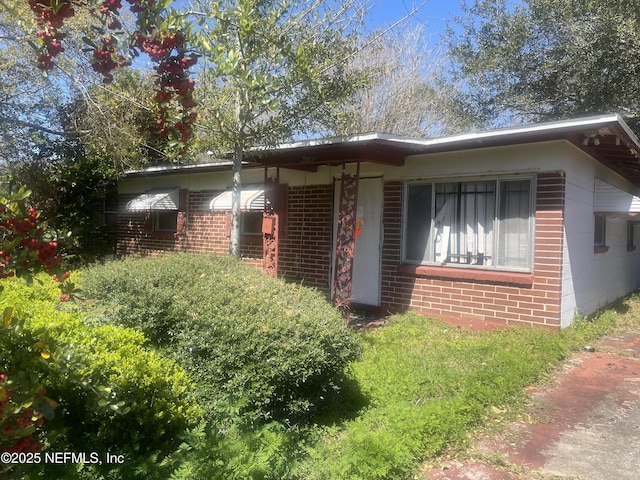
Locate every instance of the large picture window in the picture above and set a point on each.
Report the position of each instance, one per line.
(486, 223)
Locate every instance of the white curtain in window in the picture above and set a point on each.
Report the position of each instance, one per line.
(515, 225)
(483, 223)
(471, 221)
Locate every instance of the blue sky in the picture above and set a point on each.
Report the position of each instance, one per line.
(432, 13)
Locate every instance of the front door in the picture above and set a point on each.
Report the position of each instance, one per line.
(365, 288)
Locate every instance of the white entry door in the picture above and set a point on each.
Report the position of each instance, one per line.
(367, 260)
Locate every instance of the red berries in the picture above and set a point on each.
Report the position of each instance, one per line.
(50, 16)
(28, 250)
(15, 422)
(105, 59)
(167, 49)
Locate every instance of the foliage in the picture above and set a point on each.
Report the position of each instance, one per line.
(403, 93)
(419, 387)
(28, 100)
(68, 188)
(118, 126)
(159, 32)
(26, 247)
(231, 454)
(103, 381)
(549, 59)
(269, 349)
(272, 85)
(271, 70)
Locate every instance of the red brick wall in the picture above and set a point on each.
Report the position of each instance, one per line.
(511, 299)
(305, 253)
(207, 232)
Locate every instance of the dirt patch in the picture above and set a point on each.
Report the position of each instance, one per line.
(583, 426)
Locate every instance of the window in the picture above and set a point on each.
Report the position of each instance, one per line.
(251, 223)
(473, 223)
(599, 239)
(165, 221)
(631, 245)
(164, 210)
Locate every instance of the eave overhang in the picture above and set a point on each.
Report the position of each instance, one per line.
(606, 138)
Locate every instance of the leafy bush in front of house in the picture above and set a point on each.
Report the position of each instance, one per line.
(271, 350)
(112, 393)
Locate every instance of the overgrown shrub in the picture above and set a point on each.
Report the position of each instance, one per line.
(274, 350)
(113, 394)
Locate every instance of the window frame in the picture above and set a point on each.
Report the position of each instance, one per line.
(244, 223)
(496, 221)
(157, 216)
(631, 240)
(600, 241)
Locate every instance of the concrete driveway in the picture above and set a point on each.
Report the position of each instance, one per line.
(585, 425)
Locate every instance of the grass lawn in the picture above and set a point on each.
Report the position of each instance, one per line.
(426, 385)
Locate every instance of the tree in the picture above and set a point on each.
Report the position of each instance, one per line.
(66, 133)
(109, 41)
(67, 186)
(404, 93)
(116, 123)
(549, 59)
(29, 101)
(273, 69)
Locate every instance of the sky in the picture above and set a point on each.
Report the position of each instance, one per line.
(433, 14)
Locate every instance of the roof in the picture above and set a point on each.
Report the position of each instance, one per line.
(607, 138)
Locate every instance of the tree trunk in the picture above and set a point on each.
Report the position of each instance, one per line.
(234, 240)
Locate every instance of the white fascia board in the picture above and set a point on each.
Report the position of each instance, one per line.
(587, 122)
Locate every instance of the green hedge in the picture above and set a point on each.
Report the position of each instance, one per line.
(114, 394)
(254, 344)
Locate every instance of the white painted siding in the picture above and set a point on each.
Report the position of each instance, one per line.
(593, 280)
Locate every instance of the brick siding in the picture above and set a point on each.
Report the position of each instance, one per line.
(500, 300)
(306, 251)
(206, 232)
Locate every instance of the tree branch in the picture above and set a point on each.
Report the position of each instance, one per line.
(35, 126)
